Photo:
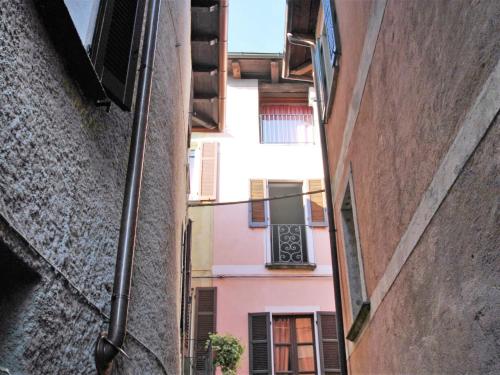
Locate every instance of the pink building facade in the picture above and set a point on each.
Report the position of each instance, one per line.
(262, 271)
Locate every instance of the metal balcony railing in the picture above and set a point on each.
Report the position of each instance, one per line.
(286, 128)
(289, 243)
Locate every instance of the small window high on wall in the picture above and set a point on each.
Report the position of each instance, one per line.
(286, 124)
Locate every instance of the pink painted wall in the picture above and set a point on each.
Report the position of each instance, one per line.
(236, 297)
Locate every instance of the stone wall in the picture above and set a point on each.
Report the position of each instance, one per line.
(62, 173)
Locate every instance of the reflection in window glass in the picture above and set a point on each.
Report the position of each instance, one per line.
(305, 355)
(303, 329)
(84, 15)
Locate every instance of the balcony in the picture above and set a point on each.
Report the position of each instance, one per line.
(286, 128)
(289, 247)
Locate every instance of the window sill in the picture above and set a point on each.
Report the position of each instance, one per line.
(359, 321)
(296, 266)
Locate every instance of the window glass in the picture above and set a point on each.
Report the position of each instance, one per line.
(303, 329)
(84, 15)
(305, 356)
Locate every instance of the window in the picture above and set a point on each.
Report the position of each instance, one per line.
(357, 290)
(203, 171)
(100, 42)
(289, 344)
(327, 52)
(294, 347)
(287, 220)
(206, 318)
(285, 124)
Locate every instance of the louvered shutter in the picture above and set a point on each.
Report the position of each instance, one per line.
(328, 343)
(205, 324)
(317, 204)
(259, 347)
(257, 213)
(209, 163)
(330, 29)
(118, 44)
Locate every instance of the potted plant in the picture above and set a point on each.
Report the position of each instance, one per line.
(227, 351)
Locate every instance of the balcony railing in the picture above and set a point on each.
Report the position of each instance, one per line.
(289, 243)
(286, 128)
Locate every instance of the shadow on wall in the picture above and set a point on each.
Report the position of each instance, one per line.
(18, 284)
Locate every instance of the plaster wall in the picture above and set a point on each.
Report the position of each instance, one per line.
(62, 165)
(429, 64)
(236, 297)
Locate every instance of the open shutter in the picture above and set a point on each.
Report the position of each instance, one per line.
(259, 346)
(330, 29)
(328, 343)
(118, 42)
(317, 204)
(205, 324)
(208, 188)
(257, 209)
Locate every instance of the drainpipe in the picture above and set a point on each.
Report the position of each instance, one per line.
(307, 42)
(110, 344)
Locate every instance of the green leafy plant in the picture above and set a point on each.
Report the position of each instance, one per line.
(227, 352)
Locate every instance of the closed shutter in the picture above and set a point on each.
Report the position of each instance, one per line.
(208, 187)
(328, 343)
(259, 346)
(317, 204)
(205, 324)
(118, 44)
(257, 209)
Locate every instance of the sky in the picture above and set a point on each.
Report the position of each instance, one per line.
(256, 26)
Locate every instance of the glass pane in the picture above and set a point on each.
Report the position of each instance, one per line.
(303, 329)
(84, 15)
(282, 360)
(305, 354)
(281, 330)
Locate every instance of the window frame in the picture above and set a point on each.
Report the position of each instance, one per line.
(88, 67)
(359, 317)
(327, 64)
(293, 345)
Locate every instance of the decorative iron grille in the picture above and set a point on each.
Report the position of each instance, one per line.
(289, 243)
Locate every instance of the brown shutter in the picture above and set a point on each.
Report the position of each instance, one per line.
(205, 323)
(208, 189)
(328, 343)
(317, 204)
(259, 346)
(117, 40)
(257, 209)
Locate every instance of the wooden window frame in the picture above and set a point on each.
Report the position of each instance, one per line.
(294, 344)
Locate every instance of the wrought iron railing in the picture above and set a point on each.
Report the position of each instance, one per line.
(284, 129)
(289, 243)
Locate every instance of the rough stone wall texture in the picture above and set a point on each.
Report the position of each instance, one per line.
(62, 172)
(430, 62)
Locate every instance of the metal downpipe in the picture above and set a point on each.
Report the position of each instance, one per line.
(329, 207)
(110, 344)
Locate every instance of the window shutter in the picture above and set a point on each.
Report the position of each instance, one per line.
(208, 188)
(328, 343)
(257, 209)
(328, 10)
(317, 204)
(205, 324)
(259, 348)
(118, 44)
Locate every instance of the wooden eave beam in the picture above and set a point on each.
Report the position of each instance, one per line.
(235, 64)
(284, 87)
(275, 74)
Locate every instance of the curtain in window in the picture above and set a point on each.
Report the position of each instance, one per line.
(286, 124)
(281, 335)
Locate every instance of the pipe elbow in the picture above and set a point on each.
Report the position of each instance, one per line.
(105, 353)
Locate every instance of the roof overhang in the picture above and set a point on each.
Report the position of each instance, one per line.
(209, 63)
